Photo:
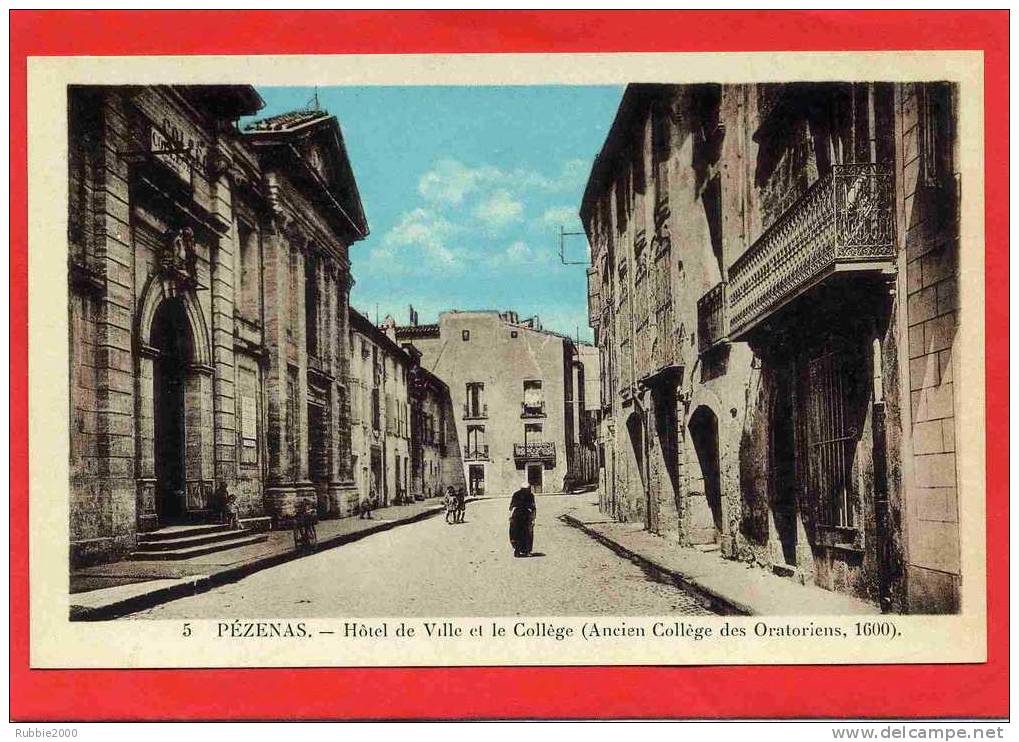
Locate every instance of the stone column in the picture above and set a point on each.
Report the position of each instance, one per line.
(146, 456)
(301, 344)
(116, 472)
(224, 282)
(276, 299)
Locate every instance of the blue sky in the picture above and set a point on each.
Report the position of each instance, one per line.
(465, 189)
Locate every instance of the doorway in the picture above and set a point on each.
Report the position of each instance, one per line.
(318, 453)
(171, 337)
(704, 433)
(534, 477)
(476, 480)
(377, 482)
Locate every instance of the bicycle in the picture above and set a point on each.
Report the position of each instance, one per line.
(305, 535)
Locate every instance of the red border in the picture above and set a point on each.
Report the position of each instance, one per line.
(888, 691)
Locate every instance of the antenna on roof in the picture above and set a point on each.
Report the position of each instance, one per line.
(313, 104)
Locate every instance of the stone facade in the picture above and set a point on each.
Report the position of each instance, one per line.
(773, 294)
(514, 388)
(208, 302)
(404, 438)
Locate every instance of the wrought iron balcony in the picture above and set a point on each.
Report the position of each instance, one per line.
(844, 222)
(543, 451)
(477, 412)
(477, 452)
(532, 409)
(712, 318)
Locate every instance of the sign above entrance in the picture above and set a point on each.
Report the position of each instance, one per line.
(169, 146)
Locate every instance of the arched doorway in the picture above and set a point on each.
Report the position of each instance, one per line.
(635, 428)
(703, 428)
(171, 337)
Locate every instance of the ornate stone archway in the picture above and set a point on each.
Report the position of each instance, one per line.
(166, 286)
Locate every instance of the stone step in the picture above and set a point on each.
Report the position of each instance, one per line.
(257, 523)
(196, 551)
(707, 548)
(175, 532)
(188, 539)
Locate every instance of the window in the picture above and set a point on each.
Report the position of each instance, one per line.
(532, 433)
(534, 400)
(248, 269)
(376, 410)
(311, 304)
(936, 132)
(475, 405)
(513, 333)
(476, 447)
(466, 334)
(833, 399)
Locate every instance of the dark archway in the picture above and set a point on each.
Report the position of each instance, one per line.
(703, 427)
(171, 336)
(636, 433)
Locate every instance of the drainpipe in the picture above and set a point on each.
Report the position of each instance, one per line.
(881, 504)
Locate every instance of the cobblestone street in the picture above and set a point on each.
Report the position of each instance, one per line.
(434, 569)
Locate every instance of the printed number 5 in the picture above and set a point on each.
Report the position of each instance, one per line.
(187, 629)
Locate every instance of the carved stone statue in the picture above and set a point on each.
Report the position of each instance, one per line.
(178, 253)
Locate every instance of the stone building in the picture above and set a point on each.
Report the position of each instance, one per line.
(773, 294)
(404, 437)
(514, 388)
(208, 283)
(436, 460)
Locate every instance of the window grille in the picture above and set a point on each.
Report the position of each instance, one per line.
(831, 438)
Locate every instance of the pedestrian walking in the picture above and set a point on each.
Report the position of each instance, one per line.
(451, 505)
(521, 521)
(461, 504)
(370, 502)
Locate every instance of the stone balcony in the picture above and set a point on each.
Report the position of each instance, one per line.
(844, 223)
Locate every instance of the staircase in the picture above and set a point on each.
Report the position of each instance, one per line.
(185, 542)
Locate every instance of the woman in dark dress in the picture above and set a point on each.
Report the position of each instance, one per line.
(521, 529)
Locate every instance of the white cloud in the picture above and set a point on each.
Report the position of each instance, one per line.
(560, 215)
(519, 253)
(498, 209)
(450, 181)
(425, 230)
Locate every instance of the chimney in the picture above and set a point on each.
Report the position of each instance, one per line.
(413, 315)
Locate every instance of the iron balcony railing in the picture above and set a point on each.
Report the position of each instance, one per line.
(477, 452)
(845, 221)
(477, 412)
(532, 409)
(544, 451)
(712, 318)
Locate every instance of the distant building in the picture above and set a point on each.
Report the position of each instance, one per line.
(773, 293)
(208, 281)
(436, 461)
(403, 435)
(516, 396)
